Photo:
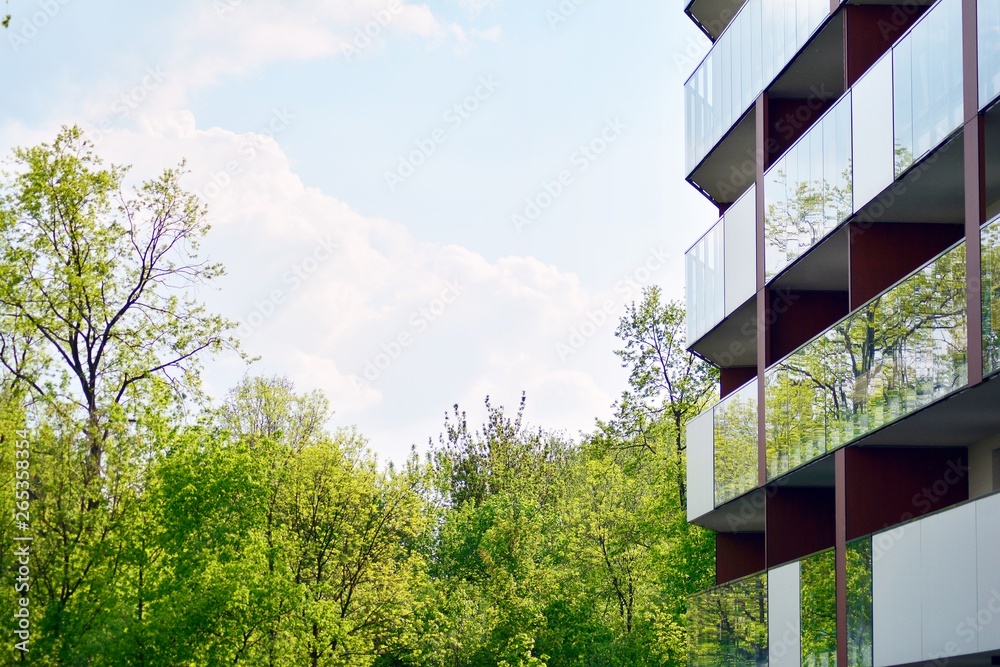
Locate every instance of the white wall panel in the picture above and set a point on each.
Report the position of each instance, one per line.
(948, 581)
(701, 465)
(896, 596)
(988, 547)
(784, 621)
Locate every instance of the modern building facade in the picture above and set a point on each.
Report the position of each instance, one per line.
(850, 295)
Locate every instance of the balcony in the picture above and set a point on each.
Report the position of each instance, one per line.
(802, 598)
(927, 590)
(727, 625)
(924, 590)
(904, 108)
(722, 271)
(722, 446)
(754, 48)
(927, 83)
(785, 616)
(899, 353)
(809, 192)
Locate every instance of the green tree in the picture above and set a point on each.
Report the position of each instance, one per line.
(666, 382)
(94, 280)
(99, 346)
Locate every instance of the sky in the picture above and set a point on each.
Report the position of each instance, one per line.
(417, 205)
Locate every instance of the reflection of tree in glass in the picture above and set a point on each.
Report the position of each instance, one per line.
(802, 213)
(991, 297)
(903, 350)
(819, 609)
(859, 603)
(736, 444)
(728, 625)
(904, 158)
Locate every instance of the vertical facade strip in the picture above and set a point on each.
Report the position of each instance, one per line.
(975, 186)
(762, 300)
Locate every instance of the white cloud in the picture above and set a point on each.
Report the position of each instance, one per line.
(478, 6)
(393, 329)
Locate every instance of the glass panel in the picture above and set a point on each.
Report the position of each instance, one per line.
(901, 351)
(705, 283)
(872, 141)
(725, 85)
(808, 192)
(991, 297)
(728, 625)
(859, 603)
(818, 599)
(927, 83)
(741, 250)
(989, 51)
(736, 444)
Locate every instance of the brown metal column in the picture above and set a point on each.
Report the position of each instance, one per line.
(975, 189)
(762, 300)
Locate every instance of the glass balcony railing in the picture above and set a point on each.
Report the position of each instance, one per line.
(988, 13)
(722, 268)
(722, 451)
(991, 297)
(902, 351)
(704, 265)
(818, 604)
(859, 603)
(808, 192)
(730, 625)
(763, 37)
(736, 444)
(727, 625)
(927, 83)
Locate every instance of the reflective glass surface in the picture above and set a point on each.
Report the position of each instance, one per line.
(728, 625)
(900, 352)
(991, 297)
(705, 283)
(722, 267)
(736, 444)
(818, 598)
(927, 83)
(859, 603)
(989, 51)
(808, 192)
(756, 46)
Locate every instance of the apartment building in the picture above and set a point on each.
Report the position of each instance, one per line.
(850, 295)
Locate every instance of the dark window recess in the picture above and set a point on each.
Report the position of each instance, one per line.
(996, 469)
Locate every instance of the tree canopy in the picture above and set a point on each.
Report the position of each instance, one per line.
(171, 528)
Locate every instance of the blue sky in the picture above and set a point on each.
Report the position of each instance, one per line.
(457, 203)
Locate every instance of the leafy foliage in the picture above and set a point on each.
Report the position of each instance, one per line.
(170, 531)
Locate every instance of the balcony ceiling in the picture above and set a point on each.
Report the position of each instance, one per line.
(728, 345)
(819, 70)
(931, 191)
(824, 268)
(731, 168)
(714, 15)
(742, 515)
(960, 420)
